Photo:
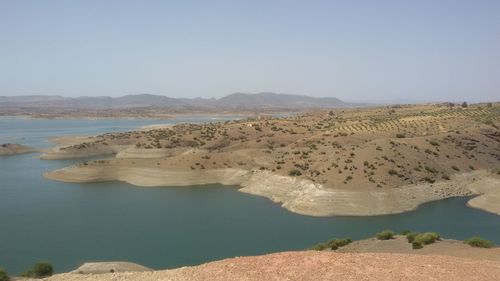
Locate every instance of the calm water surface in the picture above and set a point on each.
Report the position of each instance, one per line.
(68, 224)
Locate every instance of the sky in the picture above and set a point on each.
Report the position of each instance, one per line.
(373, 50)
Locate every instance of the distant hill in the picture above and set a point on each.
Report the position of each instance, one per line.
(232, 101)
(276, 100)
(129, 101)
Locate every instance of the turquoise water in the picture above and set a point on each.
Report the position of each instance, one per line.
(68, 224)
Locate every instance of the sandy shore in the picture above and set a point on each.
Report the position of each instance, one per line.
(57, 153)
(64, 149)
(298, 195)
(69, 140)
(489, 188)
(313, 265)
(156, 127)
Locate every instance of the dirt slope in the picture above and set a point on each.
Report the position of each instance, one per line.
(313, 265)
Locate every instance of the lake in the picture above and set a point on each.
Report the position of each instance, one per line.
(165, 227)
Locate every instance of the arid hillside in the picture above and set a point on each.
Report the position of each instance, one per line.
(399, 154)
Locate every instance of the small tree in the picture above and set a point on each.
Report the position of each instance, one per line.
(464, 104)
(39, 270)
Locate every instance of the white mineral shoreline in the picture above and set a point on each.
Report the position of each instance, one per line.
(299, 195)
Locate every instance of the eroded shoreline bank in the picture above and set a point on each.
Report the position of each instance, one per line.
(299, 195)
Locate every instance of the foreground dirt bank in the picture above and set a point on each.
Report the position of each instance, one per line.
(312, 265)
(297, 195)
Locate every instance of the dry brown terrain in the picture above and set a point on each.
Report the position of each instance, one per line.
(313, 266)
(399, 245)
(363, 161)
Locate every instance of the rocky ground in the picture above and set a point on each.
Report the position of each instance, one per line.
(313, 266)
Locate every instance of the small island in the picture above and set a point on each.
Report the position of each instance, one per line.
(12, 148)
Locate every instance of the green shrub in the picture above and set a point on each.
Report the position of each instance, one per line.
(39, 270)
(400, 136)
(478, 242)
(3, 275)
(427, 238)
(416, 245)
(411, 236)
(295, 173)
(385, 235)
(334, 244)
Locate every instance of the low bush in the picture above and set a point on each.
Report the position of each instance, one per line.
(411, 236)
(385, 235)
(39, 270)
(416, 245)
(334, 244)
(400, 136)
(3, 275)
(427, 238)
(295, 173)
(478, 242)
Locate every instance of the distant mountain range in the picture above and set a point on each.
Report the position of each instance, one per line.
(232, 101)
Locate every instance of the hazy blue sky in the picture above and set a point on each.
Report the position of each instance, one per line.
(353, 50)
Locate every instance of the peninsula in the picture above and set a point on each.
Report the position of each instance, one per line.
(358, 161)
